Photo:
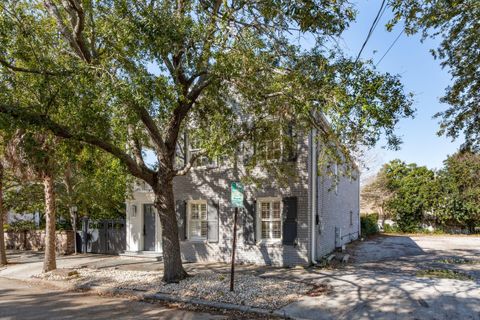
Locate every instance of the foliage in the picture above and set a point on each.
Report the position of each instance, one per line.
(444, 274)
(457, 24)
(94, 182)
(369, 224)
(19, 226)
(377, 193)
(460, 187)
(447, 198)
(414, 191)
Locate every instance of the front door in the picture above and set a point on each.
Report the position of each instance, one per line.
(148, 228)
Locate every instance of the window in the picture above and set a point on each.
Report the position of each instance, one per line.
(270, 219)
(197, 220)
(202, 161)
(351, 218)
(272, 149)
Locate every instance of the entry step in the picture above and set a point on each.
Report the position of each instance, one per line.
(147, 255)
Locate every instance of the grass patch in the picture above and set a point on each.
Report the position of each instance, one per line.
(444, 274)
(457, 261)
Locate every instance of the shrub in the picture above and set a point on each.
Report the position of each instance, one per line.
(19, 226)
(388, 228)
(369, 224)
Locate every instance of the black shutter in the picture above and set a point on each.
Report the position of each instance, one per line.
(249, 221)
(290, 144)
(213, 209)
(289, 220)
(181, 211)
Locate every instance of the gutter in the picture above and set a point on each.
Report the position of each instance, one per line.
(312, 172)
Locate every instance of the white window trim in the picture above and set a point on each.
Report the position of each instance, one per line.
(190, 202)
(213, 163)
(273, 160)
(259, 221)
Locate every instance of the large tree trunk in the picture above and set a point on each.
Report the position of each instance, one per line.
(165, 205)
(3, 254)
(49, 262)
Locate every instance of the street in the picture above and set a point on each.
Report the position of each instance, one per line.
(20, 300)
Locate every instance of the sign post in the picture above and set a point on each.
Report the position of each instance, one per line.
(236, 200)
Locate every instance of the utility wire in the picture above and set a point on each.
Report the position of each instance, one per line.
(372, 28)
(391, 46)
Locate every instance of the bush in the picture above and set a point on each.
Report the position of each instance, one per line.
(369, 224)
(388, 228)
(20, 226)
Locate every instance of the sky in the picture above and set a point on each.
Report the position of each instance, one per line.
(421, 75)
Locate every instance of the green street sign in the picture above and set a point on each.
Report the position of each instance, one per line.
(236, 197)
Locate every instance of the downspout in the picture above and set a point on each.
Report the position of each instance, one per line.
(312, 170)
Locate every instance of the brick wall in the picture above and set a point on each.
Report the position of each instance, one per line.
(35, 240)
(334, 206)
(214, 184)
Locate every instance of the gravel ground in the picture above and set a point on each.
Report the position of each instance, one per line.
(269, 293)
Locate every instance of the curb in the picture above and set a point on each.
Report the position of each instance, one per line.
(217, 305)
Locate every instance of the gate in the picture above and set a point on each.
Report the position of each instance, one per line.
(103, 236)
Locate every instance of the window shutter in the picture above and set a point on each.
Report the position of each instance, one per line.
(181, 212)
(212, 217)
(289, 220)
(290, 144)
(249, 221)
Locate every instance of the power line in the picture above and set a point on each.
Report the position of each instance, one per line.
(380, 12)
(391, 46)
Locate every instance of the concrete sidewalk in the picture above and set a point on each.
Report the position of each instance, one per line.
(25, 264)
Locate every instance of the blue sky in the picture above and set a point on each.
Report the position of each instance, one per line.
(420, 73)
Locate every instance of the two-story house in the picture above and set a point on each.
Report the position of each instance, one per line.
(293, 224)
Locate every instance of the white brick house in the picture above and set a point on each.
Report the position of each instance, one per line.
(293, 225)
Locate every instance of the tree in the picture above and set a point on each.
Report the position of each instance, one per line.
(413, 191)
(86, 174)
(228, 73)
(32, 156)
(377, 193)
(457, 23)
(3, 252)
(460, 187)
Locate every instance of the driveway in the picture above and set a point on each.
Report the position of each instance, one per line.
(19, 300)
(383, 282)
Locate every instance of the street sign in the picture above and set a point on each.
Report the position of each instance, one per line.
(236, 197)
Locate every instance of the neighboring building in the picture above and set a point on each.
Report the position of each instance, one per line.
(15, 217)
(284, 226)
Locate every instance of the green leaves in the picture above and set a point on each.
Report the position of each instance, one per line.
(457, 24)
(221, 69)
(414, 195)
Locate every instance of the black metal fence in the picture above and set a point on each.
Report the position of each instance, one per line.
(103, 236)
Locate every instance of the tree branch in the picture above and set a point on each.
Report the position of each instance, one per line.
(34, 119)
(75, 11)
(151, 126)
(135, 146)
(12, 67)
(188, 166)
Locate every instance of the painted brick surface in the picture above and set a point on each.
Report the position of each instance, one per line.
(214, 184)
(334, 206)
